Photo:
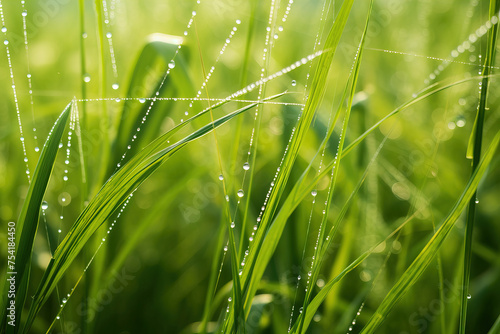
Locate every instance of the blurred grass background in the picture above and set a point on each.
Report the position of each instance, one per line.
(162, 284)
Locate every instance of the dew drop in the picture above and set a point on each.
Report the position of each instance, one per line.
(66, 162)
(64, 300)
(232, 225)
(241, 193)
(225, 248)
(25, 13)
(314, 193)
(58, 317)
(294, 83)
(246, 166)
(171, 64)
(4, 29)
(194, 13)
(45, 205)
(37, 149)
(86, 78)
(6, 42)
(221, 177)
(238, 21)
(59, 230)
(280, 28)
(65, 178)
(115, 86)
(84, 35)
(141, 100)
(109, 35)
(229, 299)
(275, 36)
(469, 296)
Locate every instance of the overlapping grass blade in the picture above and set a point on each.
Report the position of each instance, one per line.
(253, 271)
(111, 196)
(426, 256)
(316, 267)
(27, 224)
(321, 296)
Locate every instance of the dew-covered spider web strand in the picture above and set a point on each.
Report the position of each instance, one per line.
(179, 99)
(212, 68)
(14, 90)
(109, 37)
(24, 14)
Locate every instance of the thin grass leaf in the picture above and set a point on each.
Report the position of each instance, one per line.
(265, 243)
(27, 224)
(322, 294)
(474, 152)
(336, 166)
(426, 256)
(495, 329)
(111, 196)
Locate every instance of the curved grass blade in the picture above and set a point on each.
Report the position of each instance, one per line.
(111, 196)
(426, 256)
(27, 224)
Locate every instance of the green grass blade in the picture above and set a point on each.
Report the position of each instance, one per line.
(336, 165)
(111, 196)
(264, 244)
(322, 294)
(27, 224)
(495, 329)
(475, 146)
(426, 256)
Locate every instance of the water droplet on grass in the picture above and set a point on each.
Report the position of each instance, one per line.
(294, 83)
(221, 177)
(4, 29)
(86, 78)
(109, 35)
(469, 296)
(45, 205)
(25, 13)
(241, 193)
(171, 64)
(246, 166)
(115, 86)
(314, 193)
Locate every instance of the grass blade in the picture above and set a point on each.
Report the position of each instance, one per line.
(111, 196)
(426, 256)
(28, 218)
(475, 145)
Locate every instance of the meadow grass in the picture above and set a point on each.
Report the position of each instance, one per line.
(264, 167)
